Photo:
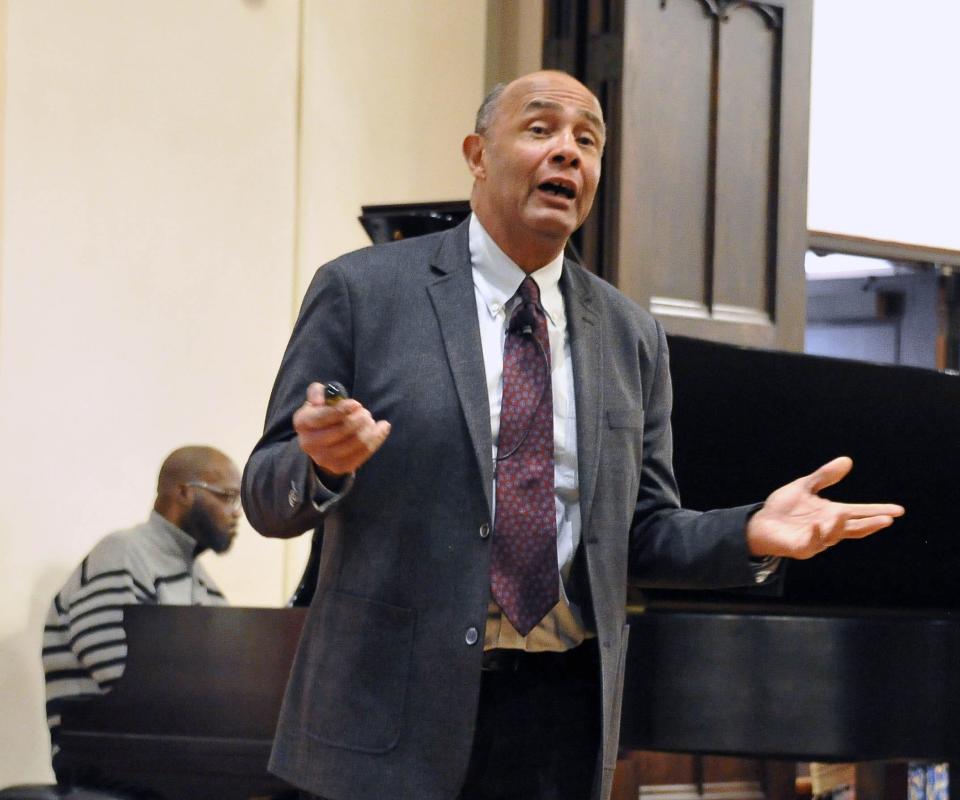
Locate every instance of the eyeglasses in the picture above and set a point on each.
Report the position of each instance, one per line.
(230, 496)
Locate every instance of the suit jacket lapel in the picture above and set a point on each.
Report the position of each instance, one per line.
(586, 350)
(455, 305)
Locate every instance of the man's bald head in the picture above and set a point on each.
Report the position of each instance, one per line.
(187, 464)
(535, 159)
(488, 108)
(198, 490)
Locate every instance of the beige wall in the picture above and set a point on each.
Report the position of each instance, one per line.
(514, 39)
(388, 95)
(172, 172)
(147, 264)
(388, 92)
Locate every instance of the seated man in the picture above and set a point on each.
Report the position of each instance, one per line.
(84, 646)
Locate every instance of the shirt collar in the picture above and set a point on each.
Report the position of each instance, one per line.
(497, 277)
(169, 537)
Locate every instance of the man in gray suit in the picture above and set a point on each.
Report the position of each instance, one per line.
(426, 671)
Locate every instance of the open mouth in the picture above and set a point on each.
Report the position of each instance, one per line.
(557, 189)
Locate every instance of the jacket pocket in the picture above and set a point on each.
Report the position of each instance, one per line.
(625, 417)
(356, 672)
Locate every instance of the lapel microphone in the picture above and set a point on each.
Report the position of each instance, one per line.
(523, 321)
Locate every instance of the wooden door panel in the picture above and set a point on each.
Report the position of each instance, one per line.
(664, 201)
(747, 120)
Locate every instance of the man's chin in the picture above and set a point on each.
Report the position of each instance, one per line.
(553, 224)
(221, 546)
(219, 543)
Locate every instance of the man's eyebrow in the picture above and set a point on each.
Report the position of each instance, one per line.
(553, 105)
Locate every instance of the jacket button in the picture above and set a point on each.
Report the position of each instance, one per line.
(471, 636)
(485, 530)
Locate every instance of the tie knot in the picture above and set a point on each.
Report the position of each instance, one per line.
(529, 292)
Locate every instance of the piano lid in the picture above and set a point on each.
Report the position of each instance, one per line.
(746, 421)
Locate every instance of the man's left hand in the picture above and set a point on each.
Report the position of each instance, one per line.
(795, 522)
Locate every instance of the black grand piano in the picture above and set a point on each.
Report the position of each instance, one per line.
(856, 658)
(859, 657)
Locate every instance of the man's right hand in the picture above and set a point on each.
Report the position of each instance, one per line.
(339, 438)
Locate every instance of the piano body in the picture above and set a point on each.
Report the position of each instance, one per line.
(194, 714)
(857, 657)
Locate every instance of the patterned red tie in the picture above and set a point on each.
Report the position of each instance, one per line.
(524, 577)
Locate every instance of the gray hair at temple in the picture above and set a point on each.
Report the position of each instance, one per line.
(488, 108)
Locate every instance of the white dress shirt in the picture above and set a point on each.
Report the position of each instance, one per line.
(496, 280)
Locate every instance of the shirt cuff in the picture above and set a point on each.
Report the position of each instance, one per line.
(324, 496)
(764, 568)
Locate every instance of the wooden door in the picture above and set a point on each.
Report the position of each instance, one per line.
(701, 217)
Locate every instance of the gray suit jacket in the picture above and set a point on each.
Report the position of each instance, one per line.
(383, 692)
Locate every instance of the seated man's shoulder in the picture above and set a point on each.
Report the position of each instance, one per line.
(124, 557)
(118, 548)
(108, 565)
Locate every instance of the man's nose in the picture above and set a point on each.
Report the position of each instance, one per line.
(566, 150)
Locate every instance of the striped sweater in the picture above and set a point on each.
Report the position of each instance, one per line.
(84, 645)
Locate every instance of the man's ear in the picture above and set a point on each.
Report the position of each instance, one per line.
(184, 495)
(473, 146)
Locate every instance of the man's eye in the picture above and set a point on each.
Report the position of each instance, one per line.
(538, 129)
(587, 141)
